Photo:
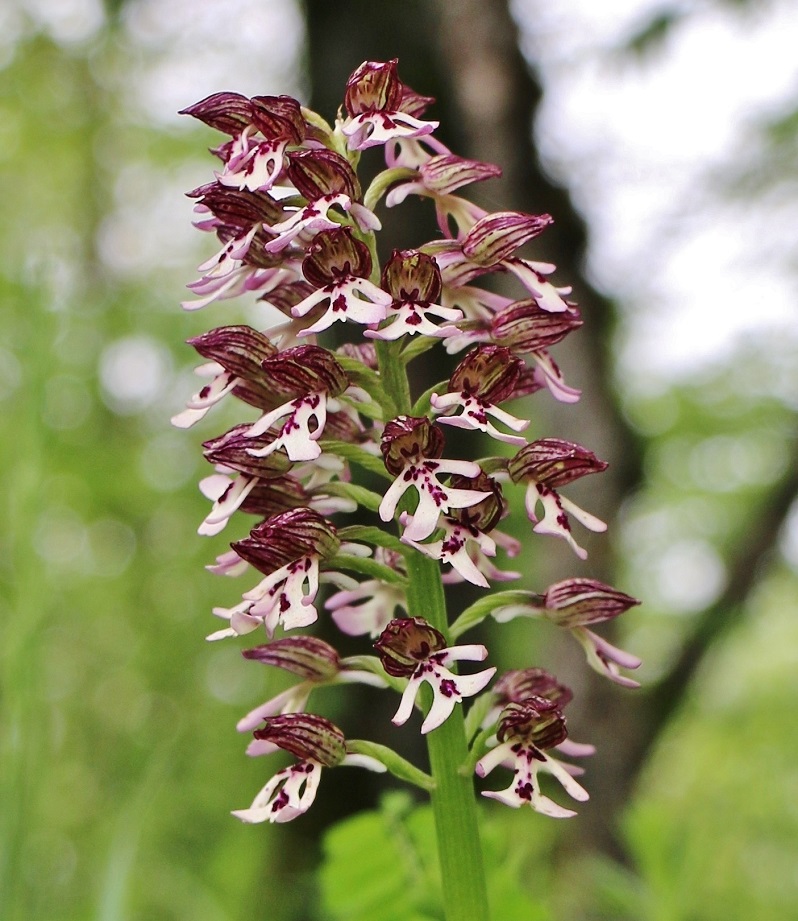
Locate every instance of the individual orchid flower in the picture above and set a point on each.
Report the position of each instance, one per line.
(225, 274)
(319, 173)
(575, 604)
(239, 475)
(544, 465)
(236, 354)
(455, 547)
(287, 549)
(465, 543)
(305, 222)
(318, 744)
(411, 648)
(414, 281)
(486, 376)
(412, 449)
(338, 265)
(525, 730)
(440, 175)
(316, 375)
(518, 686)
(375, 111)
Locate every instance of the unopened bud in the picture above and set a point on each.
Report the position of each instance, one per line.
(322, 172)
(309, 737)
(305, 656)
(553, 462)
(287, 537)
(306, 369)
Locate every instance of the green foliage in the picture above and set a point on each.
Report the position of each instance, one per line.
(381, 866)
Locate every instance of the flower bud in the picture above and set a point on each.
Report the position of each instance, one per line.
(410, 275)
(231, 450)
(316, 173)
(536, 720)
(239, 349)
(227, 112)
(410, 439)
(405, 642)
(287, 537)
(335, 254)
(305, 369)
(489, 372)
(237, 208)
(526, 327)
(447, 172)
(308, 737)
(553, 462)
(499, 234)
(305, 656)
(579, 602)
(278, 117)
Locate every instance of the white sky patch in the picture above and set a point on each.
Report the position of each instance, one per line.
(641, 142)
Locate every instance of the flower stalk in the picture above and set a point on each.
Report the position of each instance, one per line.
(453, 803)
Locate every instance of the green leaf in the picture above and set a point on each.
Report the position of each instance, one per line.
(395, 763)
(364, 497)
(383, 181)
(422, 405)
(366, 567)
(373, 665)
(377, 869)
(375, 536)
(418, 346)
(357, 455)
(382, 865)
(479, 610)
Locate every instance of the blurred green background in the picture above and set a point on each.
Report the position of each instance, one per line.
(119, 757)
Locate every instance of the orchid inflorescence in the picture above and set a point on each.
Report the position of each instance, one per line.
(298, 232)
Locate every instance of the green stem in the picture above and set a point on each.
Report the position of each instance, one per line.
(453, 802)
